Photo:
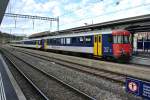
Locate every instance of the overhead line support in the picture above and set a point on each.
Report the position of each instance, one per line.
(33, 17)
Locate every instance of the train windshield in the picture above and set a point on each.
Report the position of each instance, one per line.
(121, 39)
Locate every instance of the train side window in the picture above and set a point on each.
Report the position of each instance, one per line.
(88, 39)
(110, 39)
(57, 41)
(81, 39)
(33, 42)
(68, 41)
(50, 41)
(53, 41)
(62, 41)
(73, 39)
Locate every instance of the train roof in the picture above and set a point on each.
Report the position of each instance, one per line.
(80, 34)
(120, 32)
(109, 31)
(26, 40)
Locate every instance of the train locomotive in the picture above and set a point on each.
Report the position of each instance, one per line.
(114, 43)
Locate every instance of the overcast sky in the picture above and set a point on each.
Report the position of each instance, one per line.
(72, 13)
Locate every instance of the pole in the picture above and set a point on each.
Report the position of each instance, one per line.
(58, 23)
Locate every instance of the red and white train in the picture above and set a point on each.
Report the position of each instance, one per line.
(115, 43)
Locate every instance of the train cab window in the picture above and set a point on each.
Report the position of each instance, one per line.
(115, 39)
(126, 39)
(121, 39)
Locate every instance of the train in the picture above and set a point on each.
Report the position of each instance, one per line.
(113, 43)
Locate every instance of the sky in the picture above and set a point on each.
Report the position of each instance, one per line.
(71, 13)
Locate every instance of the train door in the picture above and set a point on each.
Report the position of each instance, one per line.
(36, 43)
(42, 43)
(98, 45)
(45, 44)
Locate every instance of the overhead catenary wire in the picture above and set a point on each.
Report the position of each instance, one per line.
(26, 16)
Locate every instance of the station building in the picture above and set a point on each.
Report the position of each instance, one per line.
(142, 42)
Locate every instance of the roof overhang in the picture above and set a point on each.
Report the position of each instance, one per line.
(137, 23)
(3, 6)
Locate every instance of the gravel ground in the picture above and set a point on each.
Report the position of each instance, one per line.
(28, 90)
(99, 88)
(51, 88)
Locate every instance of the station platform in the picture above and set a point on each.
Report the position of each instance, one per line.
(141, 58)
(9, 89)
(143, 54)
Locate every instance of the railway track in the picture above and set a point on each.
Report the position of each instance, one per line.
(119, 78)
(131, 62)
(15, 59)
(9, 58)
